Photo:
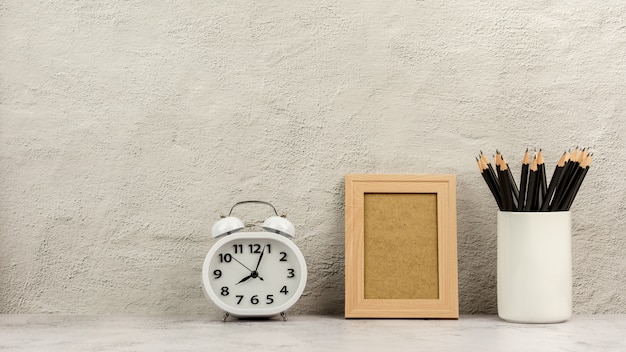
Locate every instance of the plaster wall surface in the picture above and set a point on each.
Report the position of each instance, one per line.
(127, 128)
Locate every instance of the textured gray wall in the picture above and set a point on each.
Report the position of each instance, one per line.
(126, 128)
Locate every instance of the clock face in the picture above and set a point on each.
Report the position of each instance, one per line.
(254, 274)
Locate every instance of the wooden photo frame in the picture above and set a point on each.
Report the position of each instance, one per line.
(401, 248)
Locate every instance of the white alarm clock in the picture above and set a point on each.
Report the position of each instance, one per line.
(254, 274)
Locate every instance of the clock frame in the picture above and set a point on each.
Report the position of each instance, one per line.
(254, 274)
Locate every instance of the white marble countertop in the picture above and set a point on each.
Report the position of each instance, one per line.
(305, 333)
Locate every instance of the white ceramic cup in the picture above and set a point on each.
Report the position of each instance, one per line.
(534, 266)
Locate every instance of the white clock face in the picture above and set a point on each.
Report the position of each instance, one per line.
(254, 274)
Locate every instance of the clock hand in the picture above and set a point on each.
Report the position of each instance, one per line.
(252, 275)
(260, 257)
(244, 279)
(256, 274)
(242, 264)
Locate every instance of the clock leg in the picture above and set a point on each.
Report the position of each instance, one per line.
(226, 315)
(284, 315)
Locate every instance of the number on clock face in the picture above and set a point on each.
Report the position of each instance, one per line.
(254, 273)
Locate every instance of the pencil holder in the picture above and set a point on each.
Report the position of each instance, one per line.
(534, 266)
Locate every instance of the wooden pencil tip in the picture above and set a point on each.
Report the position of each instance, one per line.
(526, 160)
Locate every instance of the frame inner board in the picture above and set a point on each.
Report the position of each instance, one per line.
(400, 246)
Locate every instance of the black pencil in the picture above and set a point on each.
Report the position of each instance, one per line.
(523, 182)
(492, 174)
(541, 180)
(512, 185)
(535, 193)
(497, 159)
(505, 187)
(532, 186)
(576, 183)
(568, 175)
(554, 181)
(498, 162)
(486, 161)
(491, 182)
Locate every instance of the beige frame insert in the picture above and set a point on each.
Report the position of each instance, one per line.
(435, 211)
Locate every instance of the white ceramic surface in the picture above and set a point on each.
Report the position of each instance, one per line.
(534, 266)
